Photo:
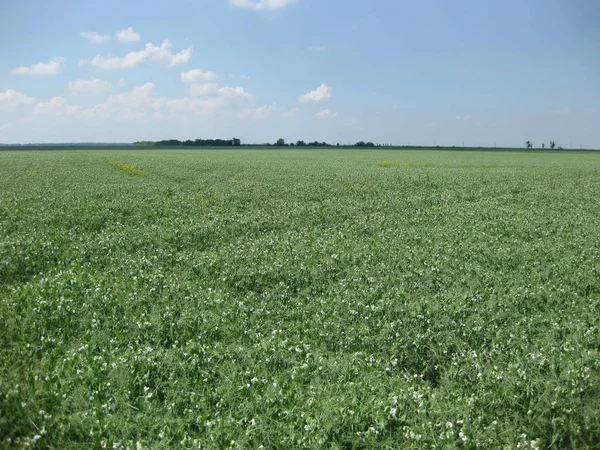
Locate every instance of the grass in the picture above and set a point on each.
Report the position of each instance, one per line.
(299, 299)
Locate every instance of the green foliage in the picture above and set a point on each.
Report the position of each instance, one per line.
(306, 299)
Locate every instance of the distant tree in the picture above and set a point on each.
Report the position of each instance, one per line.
(338, 144)
(552, 144)
(360, 144)
(291, 144)
(280, 142)
(543, 146)
(170, 142)
(236, 142)
(529, 144)
(300, 144)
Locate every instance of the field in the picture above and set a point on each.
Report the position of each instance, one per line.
(299, 299)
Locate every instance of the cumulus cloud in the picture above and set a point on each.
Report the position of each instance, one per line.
(194, 105)
(261, 4)
(464, 118)
(291, 113)
(197, 75)
(126, 105)
(57, 105)
(130, 116)
(233, 92)
(49, 68)
(12, 98)
(260, 113)
(326, 114)
(202, 89)
(128, 35)
(135, 97)
(321, 93)
(162, 54)
(142, 103)
(94, 38)
(94, 85)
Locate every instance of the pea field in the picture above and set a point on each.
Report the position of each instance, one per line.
(282, 299)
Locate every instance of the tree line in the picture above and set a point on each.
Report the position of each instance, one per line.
(235, 142)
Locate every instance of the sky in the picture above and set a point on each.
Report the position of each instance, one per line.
(427, 72)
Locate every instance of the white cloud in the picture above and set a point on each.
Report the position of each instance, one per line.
(94, 38)
(121, 82)
(57, 105)
(326, 114)
(464, 118)
(260, 113)
(195, 105)
(233, 92)
(12, 98)
(197, 75)
(142, 103)
(135, 97)
(244, 77)
(202, 89)
(162, 54)
(261, 4)
(93, 85)
(49, 68)
(127, 106)
(291, 113)
(128, 35)
(130, 116)
(321, 93)
(318, 48)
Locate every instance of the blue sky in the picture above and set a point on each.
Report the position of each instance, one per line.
(390, 71)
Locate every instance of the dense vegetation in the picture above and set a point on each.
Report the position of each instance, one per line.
(235, 142)
(307, 299)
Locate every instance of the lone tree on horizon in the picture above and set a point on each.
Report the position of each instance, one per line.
(529, 144)
(552, 144)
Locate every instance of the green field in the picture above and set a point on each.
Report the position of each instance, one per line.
(299, 299)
